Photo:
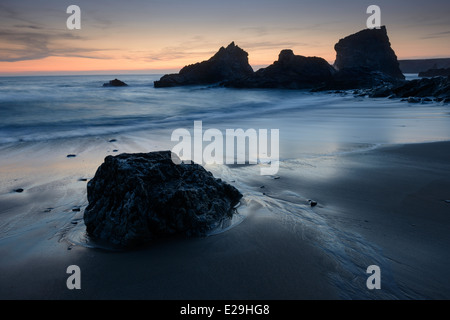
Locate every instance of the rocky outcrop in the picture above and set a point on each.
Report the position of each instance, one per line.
(369, 50)
(115, 83)
(364, 60)
(134, 198)
(427, 89)
(289, 72)
(435, 73)
(227, 64)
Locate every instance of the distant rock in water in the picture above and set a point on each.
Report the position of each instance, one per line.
(134, 198)
(227, 64)
(289, 72)
(115, 83)
(435, 73)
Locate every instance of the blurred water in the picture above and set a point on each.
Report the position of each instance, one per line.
(44, 108)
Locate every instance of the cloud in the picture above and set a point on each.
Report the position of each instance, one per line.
(17, 46)
(20, 45)
(195, 47)
(444, 34)
(255, 31)
(272, 45)
(24, 37)
(29, 26)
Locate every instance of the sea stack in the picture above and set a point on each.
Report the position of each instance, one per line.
(135, 198)
(290, 71)
(365, 60)
(370, 50)
(227, 64)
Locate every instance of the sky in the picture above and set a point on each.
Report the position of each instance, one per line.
(160, 36)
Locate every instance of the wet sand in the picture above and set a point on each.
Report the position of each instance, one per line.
(384, 206)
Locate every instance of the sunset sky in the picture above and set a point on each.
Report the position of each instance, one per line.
(164, 35)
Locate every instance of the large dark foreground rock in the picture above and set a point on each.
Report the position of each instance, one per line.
(134, 198)
(227, 64)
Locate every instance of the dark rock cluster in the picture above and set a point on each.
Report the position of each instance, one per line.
(227, 64)
(289, 72)
(363, 60)
(420, 90)
(134, 198)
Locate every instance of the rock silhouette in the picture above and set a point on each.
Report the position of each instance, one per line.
(365, 61)
(227, 64)
(289, 72)
(135, 198)
(369, 49)
(115, 83)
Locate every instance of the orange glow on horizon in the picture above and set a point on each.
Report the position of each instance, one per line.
(77, 64)
(257, 59)
(74, 64)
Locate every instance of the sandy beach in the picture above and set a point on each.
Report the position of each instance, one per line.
(384, 206)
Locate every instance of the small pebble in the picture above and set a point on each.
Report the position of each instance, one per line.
(276, 178)
(82, 179)
(115, 150)
(113, 140)
(20, 190)
(262, 187)
(76, 209)
(71, 155)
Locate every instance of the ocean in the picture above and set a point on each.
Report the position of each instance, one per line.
(56, 107)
